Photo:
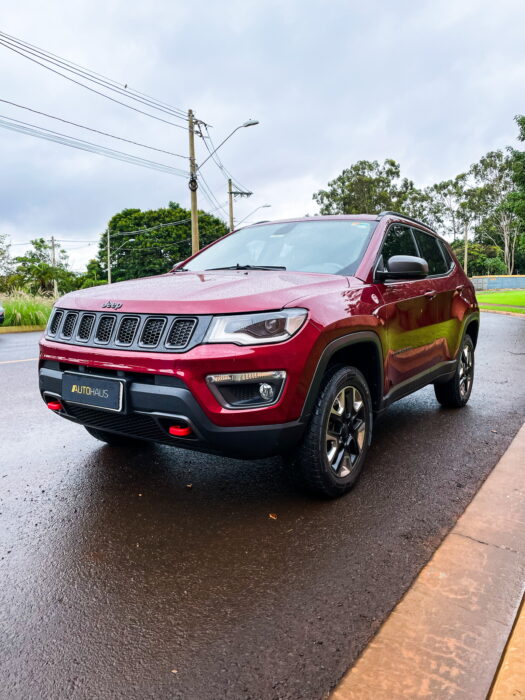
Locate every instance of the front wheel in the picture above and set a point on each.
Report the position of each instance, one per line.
(332, 453)
(456, 391)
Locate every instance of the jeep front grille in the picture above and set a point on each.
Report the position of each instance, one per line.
(152, 331)
(104, 329)
(137, 332)
(127, 329)
(55, 322)
(69, 324)
(180, 332)
(85, 327)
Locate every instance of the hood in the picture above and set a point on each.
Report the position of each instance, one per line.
(214, 292)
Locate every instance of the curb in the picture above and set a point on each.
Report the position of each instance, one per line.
(504, 313)
(447, 635)
(20, 329)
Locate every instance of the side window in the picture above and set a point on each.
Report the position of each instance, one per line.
(398, 241)
(430, 249)
(448, 257)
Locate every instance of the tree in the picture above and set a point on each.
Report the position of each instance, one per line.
(93, 277)
(499, 225)
(482, 259)
(445, 199)
(150, 242)
(367, 187)
(516, 199)
(35, 272)
(6, 264)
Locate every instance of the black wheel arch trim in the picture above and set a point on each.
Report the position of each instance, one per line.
(344, 341)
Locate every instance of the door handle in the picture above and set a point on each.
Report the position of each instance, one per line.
(460, 287)
(431, 294)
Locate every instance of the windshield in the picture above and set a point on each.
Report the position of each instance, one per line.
(316, 245)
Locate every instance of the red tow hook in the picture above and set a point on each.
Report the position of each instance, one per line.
(54, 405)
(179, 430)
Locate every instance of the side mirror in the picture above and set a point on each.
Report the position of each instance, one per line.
(403, 267)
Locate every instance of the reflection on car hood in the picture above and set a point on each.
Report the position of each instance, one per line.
(221, 291)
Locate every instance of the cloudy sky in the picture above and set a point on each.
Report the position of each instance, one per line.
(433, 84)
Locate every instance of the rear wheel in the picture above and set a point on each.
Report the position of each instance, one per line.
(333, 450)
(456, 391)
(114, 438)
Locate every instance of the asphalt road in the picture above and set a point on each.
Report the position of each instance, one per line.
(119, 581)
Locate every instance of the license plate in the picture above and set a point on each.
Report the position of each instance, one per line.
(87, 390)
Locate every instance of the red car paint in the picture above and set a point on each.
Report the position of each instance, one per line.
(418, 323)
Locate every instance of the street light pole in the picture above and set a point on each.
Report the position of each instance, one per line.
(263, 206)
(193, 184)
(230, 202)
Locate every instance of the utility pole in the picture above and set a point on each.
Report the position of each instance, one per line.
(108, 246)
(231, 193)
(193, 185)
(53, 263)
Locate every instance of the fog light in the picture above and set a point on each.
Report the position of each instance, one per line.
(266, 391)
(247, 389)
(54, 405)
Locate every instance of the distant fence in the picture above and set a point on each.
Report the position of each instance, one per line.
(499, 282)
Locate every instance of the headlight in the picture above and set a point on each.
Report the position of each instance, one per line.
(257, 328)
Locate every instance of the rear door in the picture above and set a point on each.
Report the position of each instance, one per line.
(441, 294)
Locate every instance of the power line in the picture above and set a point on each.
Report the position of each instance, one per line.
(63, 139)
(97, 78)
(96, 131)
(135, 109)
(218, 162)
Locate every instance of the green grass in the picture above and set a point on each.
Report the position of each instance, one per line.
(514, 310)
(514, 297)
(26, 310)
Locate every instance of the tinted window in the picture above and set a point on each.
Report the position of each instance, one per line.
(430, 249)
(316, 245)
(398, 241)
(448, 257)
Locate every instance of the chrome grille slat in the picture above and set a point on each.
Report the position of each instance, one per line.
(137, 332)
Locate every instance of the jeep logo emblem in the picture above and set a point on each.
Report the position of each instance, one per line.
(112, 305)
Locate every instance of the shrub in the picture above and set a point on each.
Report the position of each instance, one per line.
(26, 310)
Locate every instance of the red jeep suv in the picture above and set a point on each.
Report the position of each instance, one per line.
(287, 337)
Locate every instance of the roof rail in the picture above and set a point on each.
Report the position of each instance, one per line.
(403, 216)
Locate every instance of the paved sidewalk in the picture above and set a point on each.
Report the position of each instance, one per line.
(447, 636)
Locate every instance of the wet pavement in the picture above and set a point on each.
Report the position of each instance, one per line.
(118, 580)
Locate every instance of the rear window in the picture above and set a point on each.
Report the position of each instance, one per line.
(430, 250)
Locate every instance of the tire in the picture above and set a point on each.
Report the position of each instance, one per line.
(456, 391)
(114, 438)
(328, 461)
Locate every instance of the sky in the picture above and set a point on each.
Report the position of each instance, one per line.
(433, 84)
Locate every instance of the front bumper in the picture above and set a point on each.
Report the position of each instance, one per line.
(154, 402)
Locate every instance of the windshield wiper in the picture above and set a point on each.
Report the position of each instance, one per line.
(248, 267)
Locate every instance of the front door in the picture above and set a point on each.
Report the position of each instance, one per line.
(406, 315)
